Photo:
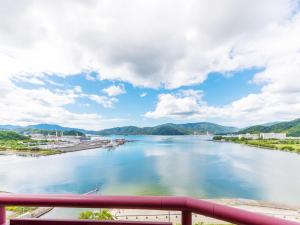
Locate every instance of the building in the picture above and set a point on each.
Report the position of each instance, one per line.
(280, 136)
(249, 136)
(38, 137)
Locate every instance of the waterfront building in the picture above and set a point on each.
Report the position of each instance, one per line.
(280, 136)
(249, 136)
(38, 136)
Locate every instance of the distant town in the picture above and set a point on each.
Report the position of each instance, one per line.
(39, 144)
(264, 136)
(276, 141)
(69, 143)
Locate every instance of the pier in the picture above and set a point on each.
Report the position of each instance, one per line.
(91, 145)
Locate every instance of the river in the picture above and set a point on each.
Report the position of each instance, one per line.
(161, 165)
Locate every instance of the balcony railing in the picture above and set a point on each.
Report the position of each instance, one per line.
(184, 204)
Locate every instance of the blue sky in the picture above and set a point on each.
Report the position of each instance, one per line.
(99, 64)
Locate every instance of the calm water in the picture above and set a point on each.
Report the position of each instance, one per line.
(183, 165)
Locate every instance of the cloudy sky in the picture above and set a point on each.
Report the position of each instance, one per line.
(101, 63)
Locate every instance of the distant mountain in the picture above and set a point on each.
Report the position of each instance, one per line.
(48, 127)
(54, 127)
(292, 128)
(40, 128)
(58, 132)
(9, 127)
(170, 129)
(270, 124)
(203, 127)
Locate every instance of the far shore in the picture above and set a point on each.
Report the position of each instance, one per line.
(30, 153)
(292, 146)
(105, 144)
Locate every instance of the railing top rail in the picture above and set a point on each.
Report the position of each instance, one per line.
(81, 222)
(61, 200)
(202, 207)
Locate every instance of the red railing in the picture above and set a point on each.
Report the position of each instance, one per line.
(184, 204)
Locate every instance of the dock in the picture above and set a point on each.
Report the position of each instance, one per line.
(40, 211)
(92, 145)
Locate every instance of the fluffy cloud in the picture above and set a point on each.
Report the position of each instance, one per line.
(279, 98)
(30, 106)
(144, 94)
(150, 44)
(103, 100)
(185, 104)
(23, 107)
(254, 108)
(115, 90)
(147, 43)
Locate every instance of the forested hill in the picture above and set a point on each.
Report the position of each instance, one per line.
(46, 129)
(292, 128)
(170, 129)
(11, 135)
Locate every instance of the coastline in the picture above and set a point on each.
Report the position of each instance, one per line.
(105, 144)
(262, 145)
(30, 153)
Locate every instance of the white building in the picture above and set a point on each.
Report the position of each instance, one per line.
(38, 137)
(280, 136)
(249, 136)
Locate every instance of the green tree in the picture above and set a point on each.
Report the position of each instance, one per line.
(103, 214)
(217, 138)
(11, 135)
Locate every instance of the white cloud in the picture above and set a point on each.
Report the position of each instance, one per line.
(180, 46)
(186, 104)
(150, 44)
(89, 76)
(78, 89)
(115, 90)
(252, 109)
(27, 79)
(54, 83)
(23, 107)
(144, 94)
(30, 106)
(105, 101)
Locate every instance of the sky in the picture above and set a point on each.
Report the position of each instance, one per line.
(96, 64)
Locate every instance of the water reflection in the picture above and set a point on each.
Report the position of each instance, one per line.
(161, 165)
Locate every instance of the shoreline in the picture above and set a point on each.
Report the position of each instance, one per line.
(275, 148)
(105, 144)
(36, 153)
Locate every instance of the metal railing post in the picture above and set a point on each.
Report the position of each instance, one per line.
(2, 215)
(186, 218)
